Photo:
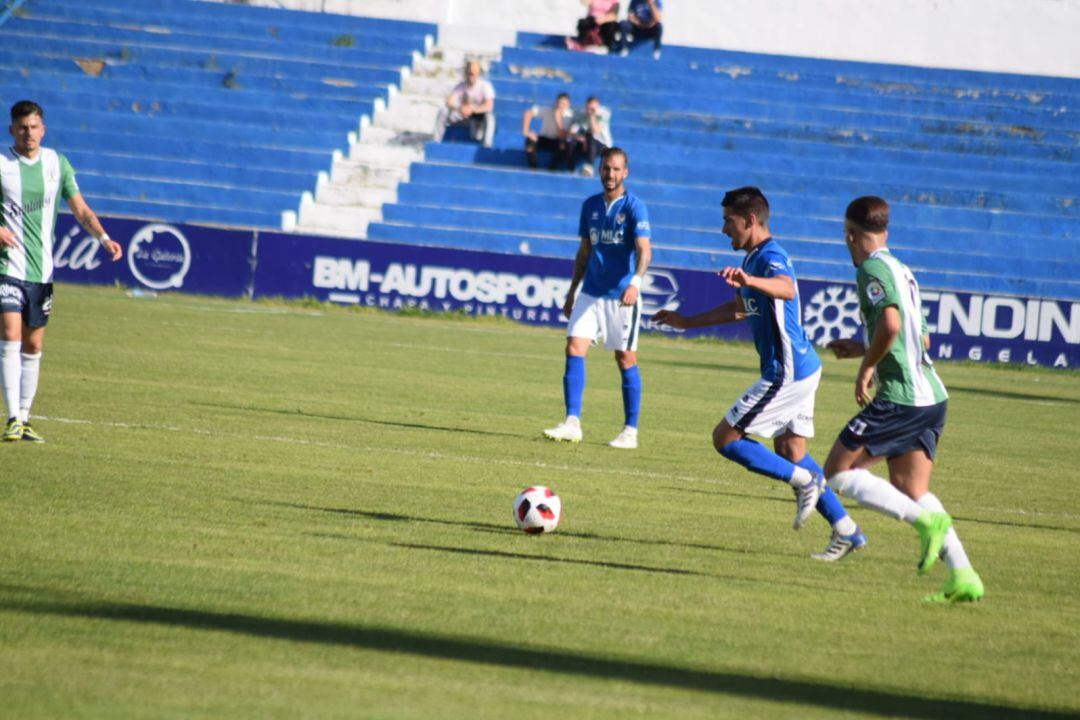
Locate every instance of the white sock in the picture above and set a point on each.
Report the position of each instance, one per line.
(31, 367)
(873, 492)
(800, 478)
(845, 526)
(951, 551)
(10, 374)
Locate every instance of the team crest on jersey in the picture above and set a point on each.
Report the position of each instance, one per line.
(620, 218)
(596, 216)
(875, 292)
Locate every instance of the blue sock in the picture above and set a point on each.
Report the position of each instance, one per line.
(828, 505)
(757, 458)
(573, 383)
(631, 395)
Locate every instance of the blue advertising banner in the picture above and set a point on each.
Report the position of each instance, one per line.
(191, 258)
(157, 256)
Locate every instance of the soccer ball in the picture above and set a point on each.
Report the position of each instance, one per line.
(537, 509)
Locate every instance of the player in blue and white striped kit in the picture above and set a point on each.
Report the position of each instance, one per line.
(780, 405)
(612, 259)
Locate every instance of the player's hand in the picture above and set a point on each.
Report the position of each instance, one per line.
(735, 277)
(113, 248)
(465, 110)
(669, 318)
(863, 384)
(531, 136)
(7, 238)
(629, 296)
(846, 348)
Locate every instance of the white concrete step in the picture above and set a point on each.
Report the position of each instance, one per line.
(436, 88)
(408, 116)
(386, 155)
(472, 40)
(438, 68)
(373, 135)
(336, 220)
(338, 195)
(354, 172)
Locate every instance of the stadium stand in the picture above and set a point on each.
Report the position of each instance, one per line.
(200, 112)
(210, 112)
(981, 168)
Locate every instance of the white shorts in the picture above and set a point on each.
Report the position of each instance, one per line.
(607, 318)
(769, 409)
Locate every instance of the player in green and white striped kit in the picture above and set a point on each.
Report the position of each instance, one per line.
(32, 179)
(904, 420)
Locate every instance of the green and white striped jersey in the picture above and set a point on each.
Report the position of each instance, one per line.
(30, 191)
(906, 374)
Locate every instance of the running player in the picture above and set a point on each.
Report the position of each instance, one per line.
(781, 404)
(611, 260)
(31, 179)
(904, 420)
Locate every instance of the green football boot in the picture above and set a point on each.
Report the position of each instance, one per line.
(932, 528)
(963, 585)
(30, 434)
(13, 431)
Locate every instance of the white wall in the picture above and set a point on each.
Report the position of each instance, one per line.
(1039, 37)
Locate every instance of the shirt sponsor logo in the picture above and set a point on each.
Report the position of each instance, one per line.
(875, 293)
(159, 257)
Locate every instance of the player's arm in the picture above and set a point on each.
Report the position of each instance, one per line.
(644, 256)
(778, 287)
(885, 334)
(727, 312)
(7, 238)
(657, 13)
(581, 263)
(92, 225)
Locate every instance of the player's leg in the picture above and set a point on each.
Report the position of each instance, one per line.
(583, 327)
(12, 307)
(883, 429)
(847, 537)
(911, 474)
(33, 339)
(623, 327)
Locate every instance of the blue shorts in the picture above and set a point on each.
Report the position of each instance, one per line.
(889, 430)
(32, 300)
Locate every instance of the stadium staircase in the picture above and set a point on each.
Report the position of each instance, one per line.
(189, 111)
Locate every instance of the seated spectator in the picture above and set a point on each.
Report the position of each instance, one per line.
(599, 27)
(471, 103)
(554, 132)
(643, 22)
(591, 134)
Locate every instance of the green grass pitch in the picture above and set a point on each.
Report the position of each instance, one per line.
(252, 510)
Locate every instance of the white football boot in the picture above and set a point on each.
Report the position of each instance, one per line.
(626, 440)
(569, 430)
(806, 498)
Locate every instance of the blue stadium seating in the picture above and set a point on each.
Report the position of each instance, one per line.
(981, 169)
(193, 111)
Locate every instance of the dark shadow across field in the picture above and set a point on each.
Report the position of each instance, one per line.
(473, 650)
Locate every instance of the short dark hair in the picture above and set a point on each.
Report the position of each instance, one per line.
(591, 98)
(560, 96)
(869, 213)
(26, 107)
(614, 151)
(746, 201)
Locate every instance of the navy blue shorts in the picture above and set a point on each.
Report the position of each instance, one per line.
(888, 430)
(32, 300)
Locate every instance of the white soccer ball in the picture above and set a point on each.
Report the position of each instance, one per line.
(537, 509)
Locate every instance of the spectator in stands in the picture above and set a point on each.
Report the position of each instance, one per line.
(554, 135)
(590, 134)
(471, 103)
(599, 27)
(643, 21)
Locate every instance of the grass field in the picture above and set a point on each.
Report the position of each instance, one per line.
(253, 510)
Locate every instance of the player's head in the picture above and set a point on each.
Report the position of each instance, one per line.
(866, 226)
(592, 105)
(472, 71)
(562, 101)
(614, 167)
(746, 217)
(27, 126)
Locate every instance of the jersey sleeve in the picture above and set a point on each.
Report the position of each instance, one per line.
(68, 187)
(774, 263)
(876, 287)
(583, 224)
(639, 221)
(489, 91)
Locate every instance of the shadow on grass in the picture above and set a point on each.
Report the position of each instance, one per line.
(358, 419)
(508, 529)
(497, 654)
